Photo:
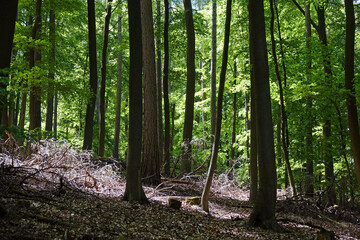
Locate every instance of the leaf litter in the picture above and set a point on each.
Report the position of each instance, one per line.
(58, 192)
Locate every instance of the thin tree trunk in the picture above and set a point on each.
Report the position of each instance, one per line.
(159, 85)
(90, 108)
(190, 89)
(350, 86)
(309, 180)
(101, 149)
(134, 190)
(151, 156)
(214, 152)
(233, 133)
(50, 93)
(35, 90)
(282, 102)
(328, 159)
(213, 71)
(263, 213)
(55, 114)
(118, 94)
(166, 91)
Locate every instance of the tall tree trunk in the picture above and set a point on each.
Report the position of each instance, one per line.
(159, 85)
(309, 179)
(282, 101)
(350, 86)
(190, 89)
(8, 15)
(213, 71)
(328, 159)
(263, 213)
(90, 108)
(118, 93)
(233, 132)
(50, 93)
(166, 92)
(151, 156)
(101, 149)
(253, 144)
(215, 150)
(134, 190)
(35, 90)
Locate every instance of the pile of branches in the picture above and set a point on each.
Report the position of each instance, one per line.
(51, 166)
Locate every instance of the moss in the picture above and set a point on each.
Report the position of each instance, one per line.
(193, 200)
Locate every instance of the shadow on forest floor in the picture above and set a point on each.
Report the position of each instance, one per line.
(60, 193)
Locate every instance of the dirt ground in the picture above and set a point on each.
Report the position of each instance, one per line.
(62, 194)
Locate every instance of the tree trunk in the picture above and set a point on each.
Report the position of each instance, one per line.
(233, 132)
(166, 92)
(309, 179)
(35, 90)
(253, 144)
(101, 149)
(55, 114)
(263, 213)
(214, 152)
(190, 89)
(159, 86)
(134, 190)
(118, 93)
(90, 108)
(151, 156)
(350, 86)
(328, 159)
(213, 71)
(282, 101)
(50, 93)
(8, 15)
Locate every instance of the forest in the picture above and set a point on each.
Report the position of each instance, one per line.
(170, 119)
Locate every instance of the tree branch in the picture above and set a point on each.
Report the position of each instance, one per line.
(303, 12)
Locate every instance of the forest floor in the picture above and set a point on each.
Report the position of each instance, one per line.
(59, 193)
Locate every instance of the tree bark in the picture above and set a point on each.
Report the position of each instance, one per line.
(214, 152)
(8, 15)
(213, 71)
(190, 89)
(282, 101)
(263, 213)
(328, 159)
(50, 93)
(166, 92)
(101, 148)
(134, 190)
(309, 179)
(90, 108)
(118, 93)
(151, 156)
(35, 90)
(350, 86)
(159, 86)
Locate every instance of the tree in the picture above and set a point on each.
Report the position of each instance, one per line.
(151, 156)
(118, 93)
(190, 89)
(309, 186)
(35, 90)
(134, 190)
(282, 101)
(90, 108)
(8, 14)
(263, 213)
(350, 86)
(213, 71)
(215, 150)
(101, 149)
(50, 94)
(166, 92)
